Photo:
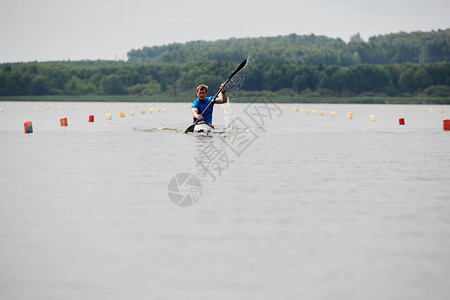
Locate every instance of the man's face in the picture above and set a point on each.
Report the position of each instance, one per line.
(201, 94)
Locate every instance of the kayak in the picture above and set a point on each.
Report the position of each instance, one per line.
(203, 128)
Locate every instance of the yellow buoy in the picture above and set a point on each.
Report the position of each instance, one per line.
(122, 114)
(307, 111)
(322, 113)
(442, 110)
(158, 110)
(48, 107)
(142, 111)
(350, 115)
(296, 109)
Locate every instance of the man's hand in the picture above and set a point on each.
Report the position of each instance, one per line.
(199, 117)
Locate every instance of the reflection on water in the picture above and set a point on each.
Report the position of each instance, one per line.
(314, 207)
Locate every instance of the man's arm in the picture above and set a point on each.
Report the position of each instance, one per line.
(224, 97)
(195, 114)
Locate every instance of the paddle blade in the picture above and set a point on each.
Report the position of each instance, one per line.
(190, 129)
(241, 66)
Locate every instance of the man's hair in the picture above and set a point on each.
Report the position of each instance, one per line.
(202, 87)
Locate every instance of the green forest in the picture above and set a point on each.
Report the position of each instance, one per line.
(413, 64)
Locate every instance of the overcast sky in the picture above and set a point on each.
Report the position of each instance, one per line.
(45, 30)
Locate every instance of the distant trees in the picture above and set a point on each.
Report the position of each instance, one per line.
(393, 65)
(416, 47)
(178, 79)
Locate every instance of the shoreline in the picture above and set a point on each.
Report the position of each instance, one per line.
(258, 98)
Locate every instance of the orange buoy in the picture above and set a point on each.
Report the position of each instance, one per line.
(142, 111)
(350, 115)
(401, 121)
(91, 118)
(28, 126)
(63, 122)
(122, 114)
(446, 124)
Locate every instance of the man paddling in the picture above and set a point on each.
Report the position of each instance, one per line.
(202, 102)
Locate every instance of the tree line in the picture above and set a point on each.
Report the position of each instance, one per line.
(416, 47)
(175, 80)
(400, 64)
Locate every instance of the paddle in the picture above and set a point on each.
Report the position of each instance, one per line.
(241, 66)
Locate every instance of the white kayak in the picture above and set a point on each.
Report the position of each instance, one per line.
(203, 128)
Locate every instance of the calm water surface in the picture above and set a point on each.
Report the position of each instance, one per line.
(303, 207)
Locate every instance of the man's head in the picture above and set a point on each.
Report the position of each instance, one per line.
(202, 91)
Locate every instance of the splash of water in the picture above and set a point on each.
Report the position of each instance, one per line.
(235, 85)
(227, 112)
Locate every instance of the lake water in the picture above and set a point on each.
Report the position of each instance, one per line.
(292, 205)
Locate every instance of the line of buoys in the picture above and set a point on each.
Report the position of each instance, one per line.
(401, 121)
(63, 122)
(28, 126)
(446, 125)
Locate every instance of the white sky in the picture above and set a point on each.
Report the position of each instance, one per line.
(45, 30)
